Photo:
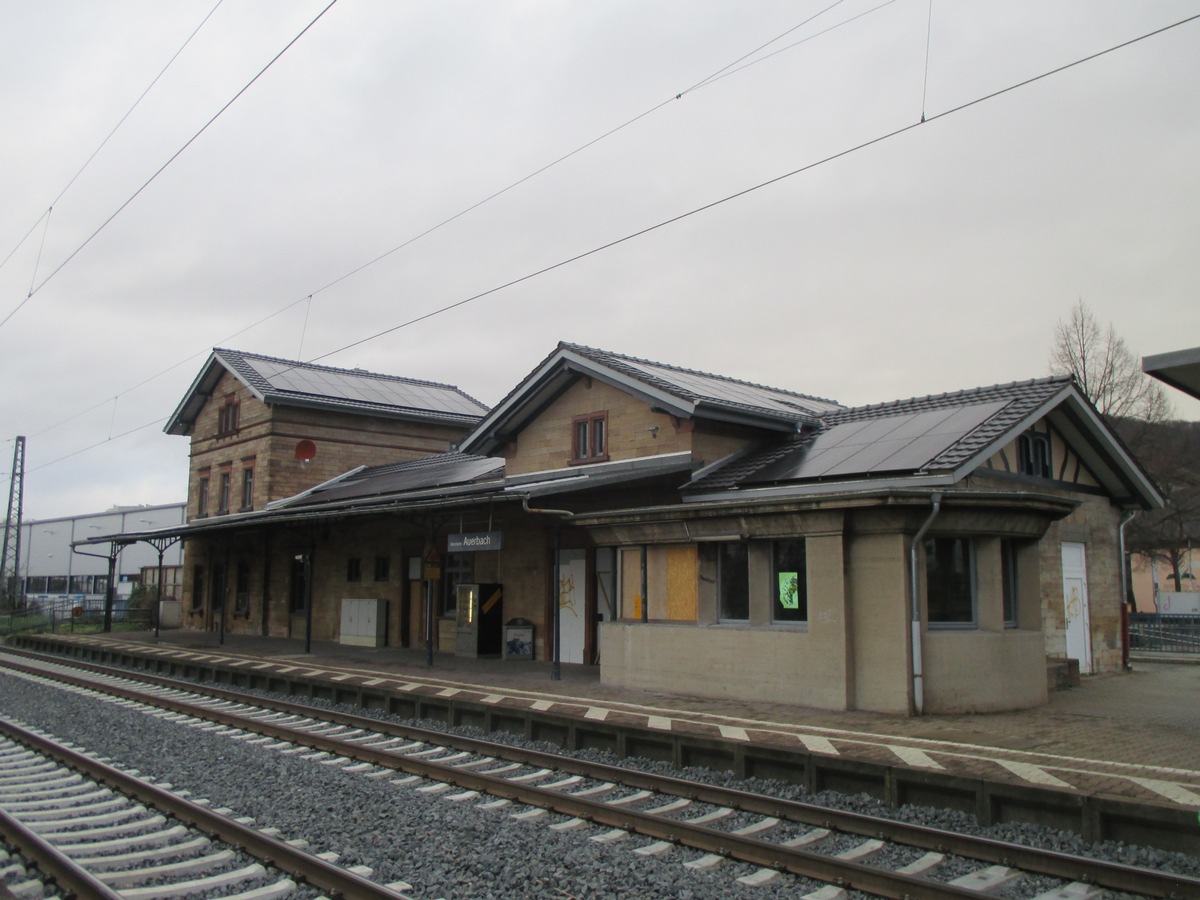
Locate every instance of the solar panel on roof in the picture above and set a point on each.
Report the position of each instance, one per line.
(903, 442)
(711, 387)
(447, 472)
(364, 388)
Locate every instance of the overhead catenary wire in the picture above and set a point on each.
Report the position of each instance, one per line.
(879, 139)
(62, 265)
(162, 372)
(730, 70)
(108, 136)
(723, 72)
(702, 83)
(925, 79)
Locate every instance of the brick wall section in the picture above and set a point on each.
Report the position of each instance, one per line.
(1095, 524)
(266, 441)
(520, 568)
(546, 442)
(634, 431)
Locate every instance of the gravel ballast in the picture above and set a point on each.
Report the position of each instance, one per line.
(443, 848)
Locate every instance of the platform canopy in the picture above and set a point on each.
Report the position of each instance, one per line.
(1180, 369)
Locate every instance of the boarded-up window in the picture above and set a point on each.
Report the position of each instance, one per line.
(681, 583)
(631, 582)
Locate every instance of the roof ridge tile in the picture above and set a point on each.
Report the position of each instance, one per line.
(609, 356)
(243, 355)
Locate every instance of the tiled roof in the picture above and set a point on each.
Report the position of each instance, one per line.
(706, 388)
(923, 434)
(284, 381)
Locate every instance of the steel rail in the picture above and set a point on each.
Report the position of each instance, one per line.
(1102, 873)
(826, 869)
(277, 853)
(54, 865)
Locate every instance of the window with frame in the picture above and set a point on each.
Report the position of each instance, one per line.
(733, 581)
(223, 494)
(248, 488)
(202, 496)
(1008, 581)
(1033, 455)
(789, 582)
(227, 417)
(589, 440)
(950, 581)
(383, 568)
(354, 569)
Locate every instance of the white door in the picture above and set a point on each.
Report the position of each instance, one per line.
(572, 593)
(1075, 604)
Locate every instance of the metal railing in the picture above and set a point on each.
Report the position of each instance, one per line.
(1164, 632)
(73, 616)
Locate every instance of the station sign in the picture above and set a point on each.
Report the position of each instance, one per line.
(475, 542)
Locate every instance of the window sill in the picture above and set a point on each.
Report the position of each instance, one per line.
(588, 460)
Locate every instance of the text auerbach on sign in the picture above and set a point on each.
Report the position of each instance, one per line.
(475, 542)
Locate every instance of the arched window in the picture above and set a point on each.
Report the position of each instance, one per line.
(1033, 452)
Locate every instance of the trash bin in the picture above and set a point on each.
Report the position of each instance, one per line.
(518, 639)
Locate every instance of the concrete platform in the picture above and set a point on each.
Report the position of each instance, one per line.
(1133, 736)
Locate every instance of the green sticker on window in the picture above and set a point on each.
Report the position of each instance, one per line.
(789, 590)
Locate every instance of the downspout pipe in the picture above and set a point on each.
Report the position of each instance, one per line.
(1124, 589)
(918, 673)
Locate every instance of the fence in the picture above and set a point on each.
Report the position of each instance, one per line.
(72, 616)
(1166, 633)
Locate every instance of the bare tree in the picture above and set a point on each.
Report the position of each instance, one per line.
(1106, 369)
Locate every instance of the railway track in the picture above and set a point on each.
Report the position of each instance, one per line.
(97, 831)
(703, 824)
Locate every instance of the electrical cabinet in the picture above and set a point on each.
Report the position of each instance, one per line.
(364, 622)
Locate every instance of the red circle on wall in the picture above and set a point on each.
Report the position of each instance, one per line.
(305, 450)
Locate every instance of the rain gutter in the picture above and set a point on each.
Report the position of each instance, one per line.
(1124, 589)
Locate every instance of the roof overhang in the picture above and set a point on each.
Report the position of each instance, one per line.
(1082, 427)
(564, 366)
(1097, 446)
(597, 475)
(838, 498)
(196, 396)
(517, 489)
(1180, 369)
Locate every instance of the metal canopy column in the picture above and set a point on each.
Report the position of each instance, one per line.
(160, 544)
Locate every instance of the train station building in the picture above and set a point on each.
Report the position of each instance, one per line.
(684, 531)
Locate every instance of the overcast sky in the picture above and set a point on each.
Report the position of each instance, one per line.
(937, 259)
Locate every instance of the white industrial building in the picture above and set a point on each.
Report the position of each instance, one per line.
(51, 571)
